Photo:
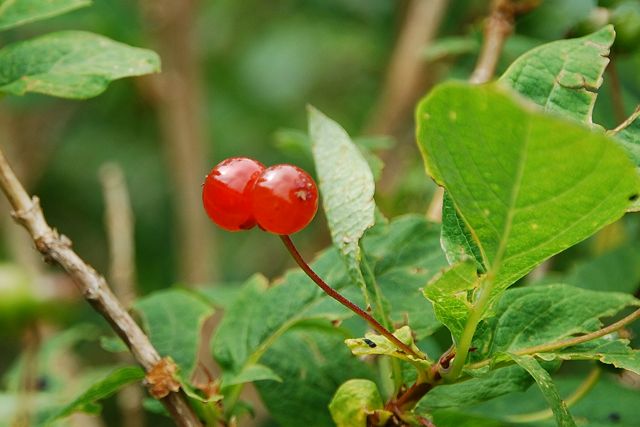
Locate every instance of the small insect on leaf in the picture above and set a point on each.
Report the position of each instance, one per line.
(370, 343)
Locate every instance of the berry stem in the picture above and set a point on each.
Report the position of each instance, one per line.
(288, 243)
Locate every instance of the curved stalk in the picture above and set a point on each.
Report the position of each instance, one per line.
(288, 243)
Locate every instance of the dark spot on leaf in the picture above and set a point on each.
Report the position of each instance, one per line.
(370, 343)
(42, 383)
(614, 417)
(633, 197)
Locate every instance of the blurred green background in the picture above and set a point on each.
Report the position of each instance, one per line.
(240, 89)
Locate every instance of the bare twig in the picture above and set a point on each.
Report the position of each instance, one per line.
(57, 248)
(626, 123)
(119, 222)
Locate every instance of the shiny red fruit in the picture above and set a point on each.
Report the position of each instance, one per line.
(226, 193)
(284, 199)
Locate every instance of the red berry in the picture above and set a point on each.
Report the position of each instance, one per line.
(284, 199)
(226, 193)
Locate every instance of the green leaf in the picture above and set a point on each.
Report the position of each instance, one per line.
(261, 314)
(609, 403)
(405, 254)
(314, 363)
(86, 402)
(173, 319)
(256, 372)
(354, 401)
(616, 270)
(70, 64)
(548, 389)
(563, 76)
(489, 386)
(14, 13)
(616, 353)
(457, 241)
(449, 293)
(514, 177)
(347, 187)
(452, 418)
(535, 315)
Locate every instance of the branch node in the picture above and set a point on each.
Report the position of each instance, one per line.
(162, 379)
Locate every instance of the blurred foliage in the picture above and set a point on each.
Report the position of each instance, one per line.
(262, 62)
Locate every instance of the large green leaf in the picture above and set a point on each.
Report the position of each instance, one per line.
(313, 363)
(70, 64)
(548, 389)
(346, 185)
(86, 402)
(173, 319)
(563, 76)
(18, 12)
(535, 315)
(449, 293)
(514, 177)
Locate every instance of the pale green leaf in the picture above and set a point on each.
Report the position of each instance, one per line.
(535, 315)
(548, 389)
(173, 320)
(354, 401)
(18, 12)
(101, 390)
(457, 241)
(450, 294)
(563, 76)
(347, 187)
(514, 177)
(70, 64)
(250, 373)
(374, 344)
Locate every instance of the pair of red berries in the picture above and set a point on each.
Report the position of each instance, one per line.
(240, 192)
